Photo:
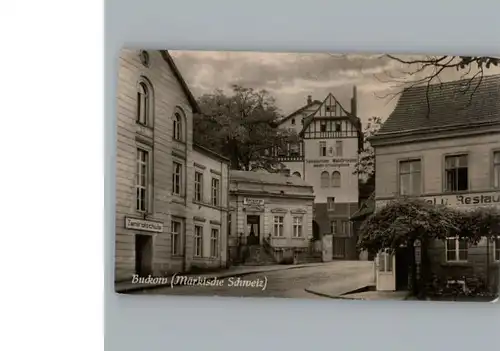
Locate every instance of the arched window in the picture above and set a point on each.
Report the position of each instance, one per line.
(143, 104)
(336, 179)
(177, 126)
(297, 174)
(325, 179)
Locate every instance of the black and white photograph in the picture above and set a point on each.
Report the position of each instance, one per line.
(307, 175)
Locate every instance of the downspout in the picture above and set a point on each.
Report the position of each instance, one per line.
(184, 246)
(488, 263)
(221, 216)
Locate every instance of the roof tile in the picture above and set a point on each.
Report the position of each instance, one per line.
(457, 103)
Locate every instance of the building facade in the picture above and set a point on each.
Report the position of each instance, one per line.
(446, 151)
(171, 195)
(271, 217)
(325, 157)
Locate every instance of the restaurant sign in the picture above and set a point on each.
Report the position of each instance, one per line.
(141, 224)
(253, 202)
(466, 200)
(333, 162)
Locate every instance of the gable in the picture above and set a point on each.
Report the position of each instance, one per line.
(330, 109)
(305, 111)
(170, 61)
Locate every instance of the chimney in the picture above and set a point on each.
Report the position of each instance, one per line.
(309, 99)
(354, 102)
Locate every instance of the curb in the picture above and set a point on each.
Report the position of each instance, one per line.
(340, 297)
(221, 276)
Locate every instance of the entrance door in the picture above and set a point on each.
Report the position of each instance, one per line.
(386, 275)
(143, 255)
(402, 268)
(253, 229)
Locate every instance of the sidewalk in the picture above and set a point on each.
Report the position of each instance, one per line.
(236, 271)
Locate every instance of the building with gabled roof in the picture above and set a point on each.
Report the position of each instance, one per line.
(442, 144)
(171, 194)
(330, 137)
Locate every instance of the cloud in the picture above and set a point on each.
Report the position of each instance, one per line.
(291, 77)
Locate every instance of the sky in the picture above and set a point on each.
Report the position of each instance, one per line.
(291, 77)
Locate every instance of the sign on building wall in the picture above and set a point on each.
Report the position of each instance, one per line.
(141, 224)
(334, 162)
(253, 202)
(467, 200)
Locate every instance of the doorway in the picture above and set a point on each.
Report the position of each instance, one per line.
(143, 255)
(316, 231)
(402, 268)
(253, 229)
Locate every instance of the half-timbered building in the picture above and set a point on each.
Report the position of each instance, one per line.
(325, 157)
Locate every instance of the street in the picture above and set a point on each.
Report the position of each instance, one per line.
(281, 283)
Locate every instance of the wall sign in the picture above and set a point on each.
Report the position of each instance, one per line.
(466, 200)
(141, 224)
(333, 162)
(253, 202)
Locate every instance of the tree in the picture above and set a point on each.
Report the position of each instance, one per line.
(242, 127)
(402, 223)
(428, 70)
(365, 166)
(366, 162)
(405, 221)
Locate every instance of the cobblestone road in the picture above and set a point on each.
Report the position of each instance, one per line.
(282, 283)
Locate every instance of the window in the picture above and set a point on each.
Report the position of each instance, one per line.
(177, 179)
(325, 179)
(322, 148)
(345, 228)
(334, 227)
(278, 226)
(293, 121)
(331, 203)
(214, 243)
(328, 108)
(297, 227)
(302, 121)
(496, 248)
(456, 250)
(336, 179)
(338, 148)
(215, 192)
(297, 174)
(142, 178)
(338, 127)
(176, 237)
(294, 150)
(177, 127)
(457, 178)
(229, 223)
(198, 241)
(496, 169)
(322, 126)
(410, 178)
(385, 261)
(198, 186)
(143, 104)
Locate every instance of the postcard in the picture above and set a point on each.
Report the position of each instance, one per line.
(307, 175)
